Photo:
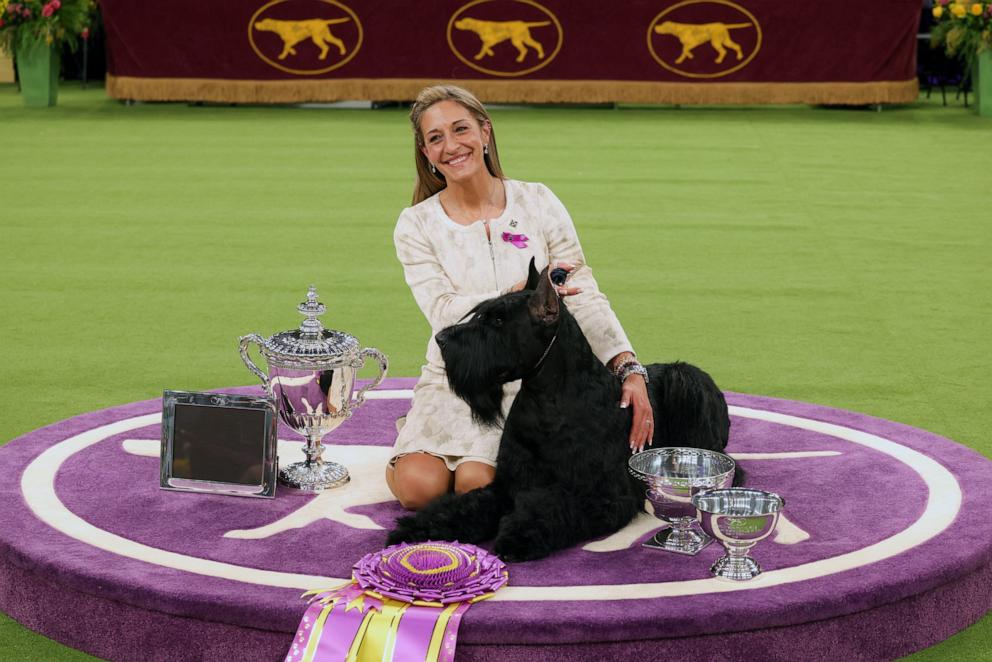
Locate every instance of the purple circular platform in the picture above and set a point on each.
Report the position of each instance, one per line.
(885, 548)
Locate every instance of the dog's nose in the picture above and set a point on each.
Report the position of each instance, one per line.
(442, 337)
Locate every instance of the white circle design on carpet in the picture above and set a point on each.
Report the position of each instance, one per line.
(38, 489)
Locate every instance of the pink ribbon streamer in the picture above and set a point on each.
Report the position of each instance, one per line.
(447, 653)
(339, 633)
(414, 635)
(303, 633)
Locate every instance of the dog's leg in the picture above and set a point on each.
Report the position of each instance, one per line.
(319, 43)
(721, 51)
(486, 49)
(730, 43)
(536, 45)
(337, 42)
(547, 519)
(471, 517)
(518, 43)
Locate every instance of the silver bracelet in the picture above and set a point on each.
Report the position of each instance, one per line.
(618, 368)
(632, 368)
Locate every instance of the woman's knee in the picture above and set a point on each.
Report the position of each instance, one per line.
(473, 475)
(418, 479)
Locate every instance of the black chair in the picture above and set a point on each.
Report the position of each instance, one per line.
(934, 68)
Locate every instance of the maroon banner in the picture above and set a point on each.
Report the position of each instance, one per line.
(514, 50)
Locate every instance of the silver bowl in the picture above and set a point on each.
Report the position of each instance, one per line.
(674, 476)
(739, 518)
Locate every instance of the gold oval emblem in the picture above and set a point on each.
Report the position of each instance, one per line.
(704, 38)
(505, 37)
(306, 37)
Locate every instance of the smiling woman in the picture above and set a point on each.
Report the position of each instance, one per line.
(469, 237)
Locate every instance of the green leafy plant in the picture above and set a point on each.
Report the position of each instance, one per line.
(27, 22)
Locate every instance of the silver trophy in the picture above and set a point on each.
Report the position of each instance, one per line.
(311, 377)
(673, 477)
(739, 518)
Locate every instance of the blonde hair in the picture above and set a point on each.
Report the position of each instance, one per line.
(428, 183)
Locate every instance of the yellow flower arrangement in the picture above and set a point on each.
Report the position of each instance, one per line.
(962, 27)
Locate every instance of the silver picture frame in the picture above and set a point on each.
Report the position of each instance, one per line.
(219, 443)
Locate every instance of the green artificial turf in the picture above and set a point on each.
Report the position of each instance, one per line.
(833, 256)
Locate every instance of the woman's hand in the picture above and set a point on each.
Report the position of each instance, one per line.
(635, 392)
(562, 290)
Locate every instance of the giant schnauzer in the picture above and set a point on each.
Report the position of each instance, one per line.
(561, 472)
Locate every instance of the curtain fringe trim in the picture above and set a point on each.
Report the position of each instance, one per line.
(500, 91)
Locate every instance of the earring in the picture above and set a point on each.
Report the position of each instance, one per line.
(433, 169)
(485, 150)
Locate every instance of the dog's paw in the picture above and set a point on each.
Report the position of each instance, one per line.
(520, 542)
(513, 550)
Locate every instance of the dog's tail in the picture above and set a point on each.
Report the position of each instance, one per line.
(705, 420)
(740, 476)
(690, 408)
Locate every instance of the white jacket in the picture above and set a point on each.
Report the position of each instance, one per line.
(452, 267)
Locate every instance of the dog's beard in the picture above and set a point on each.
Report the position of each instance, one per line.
(477, 365)
(486, 403)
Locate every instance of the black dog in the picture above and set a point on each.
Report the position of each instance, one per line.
(561, 472)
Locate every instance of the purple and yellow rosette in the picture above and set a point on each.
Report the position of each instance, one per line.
(404, 603)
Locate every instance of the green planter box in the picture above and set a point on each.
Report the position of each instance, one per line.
(982, 79)
(38, 70)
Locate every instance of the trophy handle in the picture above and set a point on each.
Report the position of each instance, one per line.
(258, 340)
(383, 366)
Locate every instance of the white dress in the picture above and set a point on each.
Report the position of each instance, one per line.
(450, 268)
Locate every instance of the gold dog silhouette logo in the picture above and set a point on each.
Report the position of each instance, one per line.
(306, 37)
(505, 37)
(704, 38)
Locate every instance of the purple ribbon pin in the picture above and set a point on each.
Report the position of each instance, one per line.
(518, 240)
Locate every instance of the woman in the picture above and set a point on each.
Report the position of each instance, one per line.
(469, 237)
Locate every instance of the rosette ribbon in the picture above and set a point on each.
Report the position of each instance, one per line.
(404, 603)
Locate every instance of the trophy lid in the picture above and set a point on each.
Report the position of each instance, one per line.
(311, 343)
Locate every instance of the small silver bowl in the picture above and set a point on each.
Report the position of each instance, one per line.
(674, 476)
(739, 518)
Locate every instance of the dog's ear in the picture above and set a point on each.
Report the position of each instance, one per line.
(544, 302)
(533, 278)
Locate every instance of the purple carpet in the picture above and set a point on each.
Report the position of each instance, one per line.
(886, 548)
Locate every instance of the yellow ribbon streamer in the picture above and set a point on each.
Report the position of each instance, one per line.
(437, 639)
(356, 643)
(379, 638)
(318, 591)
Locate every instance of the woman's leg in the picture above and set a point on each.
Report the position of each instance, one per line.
(472, 517)
(417, 479)
(472, 475)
